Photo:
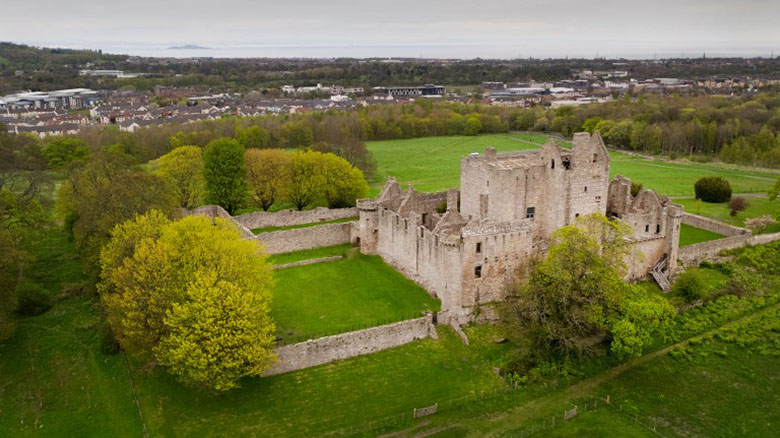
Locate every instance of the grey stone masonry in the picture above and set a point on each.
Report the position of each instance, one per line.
(331, 348)
(265, 219)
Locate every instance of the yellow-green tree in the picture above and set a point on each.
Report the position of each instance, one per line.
(304, 187)
(162, 300)
(268, 175)
(183, 169)
(341, 182)
(217, 335)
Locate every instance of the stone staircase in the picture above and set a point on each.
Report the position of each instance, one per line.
(660, 277)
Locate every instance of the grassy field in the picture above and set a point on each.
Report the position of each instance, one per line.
(307, 254)
(759, 206)
(54, 380)
(433, 164)
(292, 227)
(690, 235)
(329, 397)
(356, 292)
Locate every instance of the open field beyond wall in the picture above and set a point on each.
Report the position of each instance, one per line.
(433, 164)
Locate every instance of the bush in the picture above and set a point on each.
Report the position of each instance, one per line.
(713, 189)
(689, 285)
(636, 188)
(701, 158)
(759, 224)
(33, 299)
(738, 204)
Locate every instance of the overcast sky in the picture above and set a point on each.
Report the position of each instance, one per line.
(451, 28)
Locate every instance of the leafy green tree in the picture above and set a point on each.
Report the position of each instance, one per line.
(575, 302)
(774, 191)
(341, 182)
(712, 189)
(225, 174)
(193, 296)
(253, 137)
(473, 125)
(60, 151)
(183, 168)
(268, 175)
(305, 185)
(11, 262)
(296, 134)
(106, 191)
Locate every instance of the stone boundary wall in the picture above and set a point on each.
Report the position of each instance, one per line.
(694, 254)
(331, 348)
(284, 218)
(277, 242)
(309, 262)
(212, 211)
(712, 225)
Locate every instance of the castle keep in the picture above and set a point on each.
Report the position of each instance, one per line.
(465, 246)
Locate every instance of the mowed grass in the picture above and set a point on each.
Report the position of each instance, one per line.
(292, 227)
(344, 394)
(308, 254)
(356, 292)
(691, 235)
(759, 206)
(54, 379)
(433, 164)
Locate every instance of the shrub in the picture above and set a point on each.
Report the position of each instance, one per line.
(701, 158)
(738, 204)
(33, 299)
(713, 189)
(689, 285)
(636, 188)
(759, 224)
(442, 207)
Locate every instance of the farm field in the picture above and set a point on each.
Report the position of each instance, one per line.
(356, 292)
(759, 206)
(691, 235)
(433, 164)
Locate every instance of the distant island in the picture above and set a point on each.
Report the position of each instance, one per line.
(188, 47)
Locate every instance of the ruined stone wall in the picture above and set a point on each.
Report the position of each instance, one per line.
(645, 253)
(317, 236)
(331, 348)
(692, 255)
(420, 255)
(264, 219)
(712, 225)
(212, 211)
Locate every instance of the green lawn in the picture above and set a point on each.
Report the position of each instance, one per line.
(759, 206)
(54, 379)
(317, 400)
(307, 254)
(356, 292)
(292, 227)
(690, 235)
(433, 163)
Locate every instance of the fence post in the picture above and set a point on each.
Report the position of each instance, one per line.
(607, 398)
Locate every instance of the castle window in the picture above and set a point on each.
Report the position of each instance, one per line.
(479, 247)
(598, 198)
(586, 188)
(552, 164)
(478, 271)
(530, 212)
(595, 157)
(576, 215)
(647, 228)
(658, 229)
(422, 232)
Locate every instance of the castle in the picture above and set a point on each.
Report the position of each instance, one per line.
(465, 246)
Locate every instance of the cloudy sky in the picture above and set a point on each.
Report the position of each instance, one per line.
(451, 28)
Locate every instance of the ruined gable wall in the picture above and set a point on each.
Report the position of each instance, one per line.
(421, 255)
